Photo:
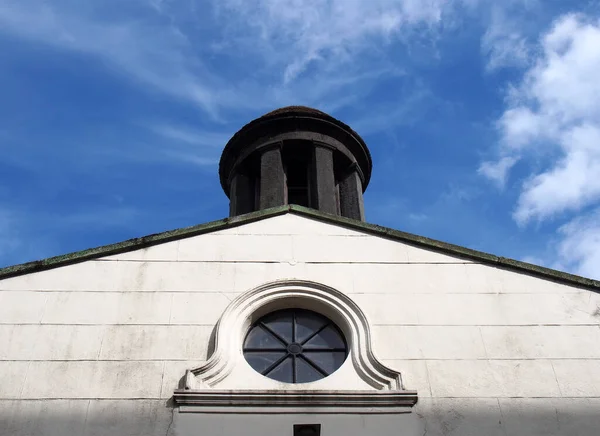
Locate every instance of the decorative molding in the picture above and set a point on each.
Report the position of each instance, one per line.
(366, 382)
(250, 401)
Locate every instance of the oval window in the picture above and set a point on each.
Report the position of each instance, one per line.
(295, 346)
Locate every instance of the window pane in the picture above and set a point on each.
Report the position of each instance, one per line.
(328, 338)
(262, 360)
(327, 361)
(306, 325)
(280, 323)
(260, 338)
(306, 373)
(283, 372)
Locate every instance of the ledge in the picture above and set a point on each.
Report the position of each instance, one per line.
(296, 401)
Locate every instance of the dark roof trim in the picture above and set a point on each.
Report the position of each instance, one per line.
(396, 235)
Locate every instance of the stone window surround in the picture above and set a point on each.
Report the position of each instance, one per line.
(208, 388)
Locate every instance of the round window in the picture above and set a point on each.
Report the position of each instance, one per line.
(295, 346)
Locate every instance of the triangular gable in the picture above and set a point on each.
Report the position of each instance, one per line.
(293, 233)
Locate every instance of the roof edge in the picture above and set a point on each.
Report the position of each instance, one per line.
(137, 243)
(397, 235)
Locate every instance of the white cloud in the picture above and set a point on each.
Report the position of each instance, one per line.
(497, 171)
(556, 108)
(571, 184)
(579, 249)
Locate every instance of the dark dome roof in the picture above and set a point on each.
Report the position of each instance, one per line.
(295, 110)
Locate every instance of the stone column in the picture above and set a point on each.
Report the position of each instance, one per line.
(272, 178)
(241, 195)
(323, 196)
(351, 198)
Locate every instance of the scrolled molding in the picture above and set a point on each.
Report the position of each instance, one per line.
(249, 306)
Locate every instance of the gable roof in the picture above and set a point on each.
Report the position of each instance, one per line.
(385, 232)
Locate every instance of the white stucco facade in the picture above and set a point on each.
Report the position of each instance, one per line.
(98, 347)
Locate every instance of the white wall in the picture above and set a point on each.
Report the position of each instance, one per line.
(106, 341)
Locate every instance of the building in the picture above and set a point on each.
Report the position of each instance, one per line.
(295, 317)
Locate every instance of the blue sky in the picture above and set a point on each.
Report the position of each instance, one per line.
(483, 117)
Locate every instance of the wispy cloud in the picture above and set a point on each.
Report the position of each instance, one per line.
(185, 144)
(311, 52)
(505, 42)
(579, 246)
(190, 136)
(139, 46)
(300, 35)
(497, 171)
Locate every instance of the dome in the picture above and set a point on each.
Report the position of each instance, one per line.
(295, 110)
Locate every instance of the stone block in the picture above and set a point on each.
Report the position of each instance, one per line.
(505, 309)
(428, 342)
(338, 275)
(550, 416)
(156, 342)
(500, 378)
(530, 416)
(50, 342)
(578, 378)
(17, 341)
(246, 248)
(12, 378)
(144, 308)
(198, 308)
(249, 275)
(107, 308)
(180, 276)
(380, 309)
(360, 249)
(460, 416)
(129, 418)
(93, 379)
(415, 278)
(578, 416)
(68, 342)
(21, 307)
(534, 342)
(43, 418)
(82, 308)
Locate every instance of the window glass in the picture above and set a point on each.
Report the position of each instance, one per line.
(295, 346)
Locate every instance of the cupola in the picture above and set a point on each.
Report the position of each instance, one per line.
(296, 155)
